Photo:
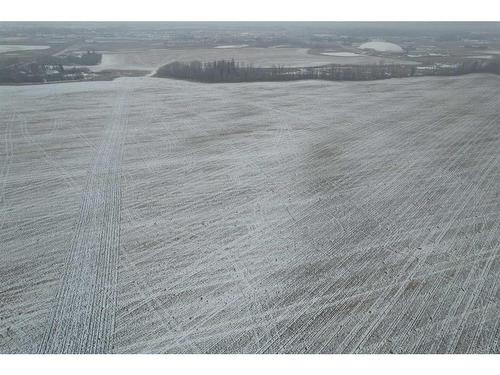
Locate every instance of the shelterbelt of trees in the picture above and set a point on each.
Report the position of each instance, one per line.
(231, 71)
(88, 58)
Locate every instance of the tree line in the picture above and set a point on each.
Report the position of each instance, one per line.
(218, 71)
(88, 58)
(231, 71)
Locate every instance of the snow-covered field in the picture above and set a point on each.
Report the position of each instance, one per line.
(342, 54)
(19, 47)
(382, 46)
(232, 46)
(154, 215)
(263, 57)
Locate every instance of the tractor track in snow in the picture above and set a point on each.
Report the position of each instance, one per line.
(83, 319)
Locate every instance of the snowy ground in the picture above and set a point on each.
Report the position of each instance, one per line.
(19, 47)
(263, 57)
(154, 215)
(343, 54)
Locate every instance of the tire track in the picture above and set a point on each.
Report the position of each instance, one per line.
(4, 172)
(83, 318)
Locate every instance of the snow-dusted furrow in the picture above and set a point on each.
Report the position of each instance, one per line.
(285, 217)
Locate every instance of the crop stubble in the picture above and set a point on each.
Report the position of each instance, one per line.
(268, 217)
